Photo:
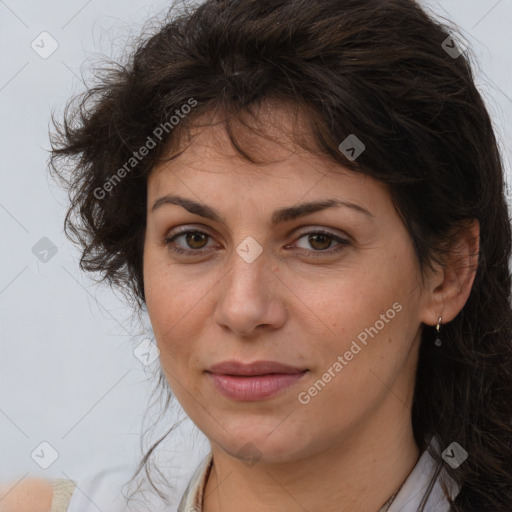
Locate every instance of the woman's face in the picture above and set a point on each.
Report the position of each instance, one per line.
(246, 289)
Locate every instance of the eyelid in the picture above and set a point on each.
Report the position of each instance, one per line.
(296, 231)
(186, 229)
(330, 231)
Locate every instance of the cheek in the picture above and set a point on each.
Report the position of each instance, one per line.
(177, 307)
(366, 316)
(345, 304)
(166, 294)
(165, 301)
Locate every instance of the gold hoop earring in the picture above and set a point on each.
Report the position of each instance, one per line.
(438, 341)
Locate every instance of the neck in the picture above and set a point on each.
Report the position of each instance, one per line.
(361, 472)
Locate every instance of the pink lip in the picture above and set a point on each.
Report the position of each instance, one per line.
(255, 368)
(255, 381)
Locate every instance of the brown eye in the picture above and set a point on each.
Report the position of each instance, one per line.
(320, 241)
(195, 241)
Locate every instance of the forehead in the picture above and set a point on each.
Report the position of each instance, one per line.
(269, 131)
(211, 168)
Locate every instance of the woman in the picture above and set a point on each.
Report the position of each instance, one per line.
(308, 198)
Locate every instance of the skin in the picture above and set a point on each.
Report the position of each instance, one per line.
(296, 309)
(27, 495)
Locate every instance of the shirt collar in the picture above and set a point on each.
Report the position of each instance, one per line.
(424, 475)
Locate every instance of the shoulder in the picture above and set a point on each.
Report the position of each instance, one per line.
(29, 495)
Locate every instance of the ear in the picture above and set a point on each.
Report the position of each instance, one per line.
(449, 287)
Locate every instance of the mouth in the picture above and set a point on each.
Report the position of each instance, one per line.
(254, 382)
(257, 368)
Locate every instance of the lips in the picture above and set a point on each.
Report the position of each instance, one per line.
(260, 380)
(255, 368)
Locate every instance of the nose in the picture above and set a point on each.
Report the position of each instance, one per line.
(251, 296)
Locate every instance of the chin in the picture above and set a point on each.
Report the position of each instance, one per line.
(258, 446)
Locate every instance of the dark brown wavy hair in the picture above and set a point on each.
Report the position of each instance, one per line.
(379, 69)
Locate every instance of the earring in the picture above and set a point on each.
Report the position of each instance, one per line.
(438, 341)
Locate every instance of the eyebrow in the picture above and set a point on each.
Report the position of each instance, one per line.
(278, 216)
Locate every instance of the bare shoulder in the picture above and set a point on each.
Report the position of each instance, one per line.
(29, 495)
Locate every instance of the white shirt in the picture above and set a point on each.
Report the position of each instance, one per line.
(105, 491)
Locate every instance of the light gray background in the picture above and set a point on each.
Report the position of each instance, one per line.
(68, 375)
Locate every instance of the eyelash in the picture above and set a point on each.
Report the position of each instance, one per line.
(342, 243)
